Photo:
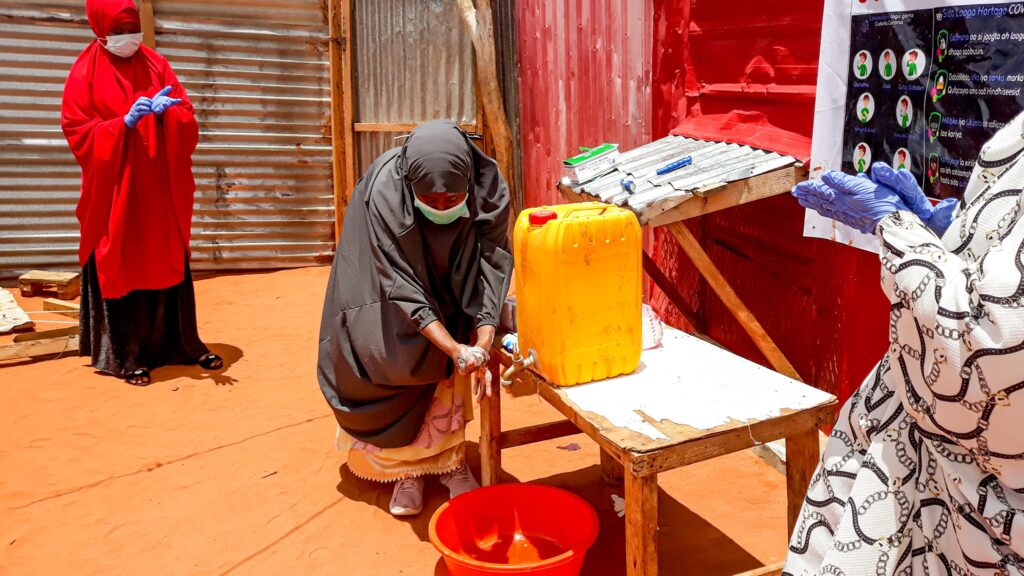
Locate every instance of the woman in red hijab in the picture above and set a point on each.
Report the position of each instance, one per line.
(131, 128)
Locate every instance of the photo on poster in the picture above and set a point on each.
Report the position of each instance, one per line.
(942, 45)
(901, 161)
(887, 66)
(934, 126)
(862, 157)
(862, 65)
(914, 64)
(933, 168)
(939, 85)
(866, 108)
(904, 112)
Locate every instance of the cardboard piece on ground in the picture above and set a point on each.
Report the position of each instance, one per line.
(12, 317)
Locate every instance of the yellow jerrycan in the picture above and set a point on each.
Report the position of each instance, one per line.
(579, 291)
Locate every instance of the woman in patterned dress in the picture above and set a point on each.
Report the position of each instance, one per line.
(924, 471)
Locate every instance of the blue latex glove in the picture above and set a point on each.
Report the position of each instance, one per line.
(143, 107)
(938, 218)
(161, 102)
(853, 200)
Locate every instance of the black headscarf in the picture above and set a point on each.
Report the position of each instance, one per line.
(395, 272)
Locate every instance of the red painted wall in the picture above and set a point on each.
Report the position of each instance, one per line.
(584, 79)
(820, 301)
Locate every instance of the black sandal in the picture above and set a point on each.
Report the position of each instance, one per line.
(211, 362)
(140, 377)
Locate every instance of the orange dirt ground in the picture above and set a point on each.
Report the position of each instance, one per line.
(236, 473)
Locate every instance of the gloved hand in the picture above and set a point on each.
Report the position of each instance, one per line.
(143, 107)
(853, 200)
(161, 102)
(937, 218)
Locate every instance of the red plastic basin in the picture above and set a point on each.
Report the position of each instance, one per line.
(514, 529)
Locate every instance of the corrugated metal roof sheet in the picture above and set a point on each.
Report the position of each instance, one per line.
(714, 164)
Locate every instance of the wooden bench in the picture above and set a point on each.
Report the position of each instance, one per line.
(689, 401)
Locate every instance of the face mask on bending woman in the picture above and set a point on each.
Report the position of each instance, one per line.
(438, 169)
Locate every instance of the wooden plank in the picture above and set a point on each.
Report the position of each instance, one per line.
(480, 22)
(611, 471)
(537, 433)
(769, 570)
(47, 334)
(44, 277)
(148, 23)
(490, 438)
(641, 525)
(39, 348)
(802, 458)
(734, 194)
(732, 301)
(339, 22)
(714, 443)
(669, 289)
(62, 307)
(400, 127)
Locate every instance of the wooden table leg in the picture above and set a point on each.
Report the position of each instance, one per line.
(732, 301)
(611, 469)
(801, 461)
(641, 525)
(490, 437)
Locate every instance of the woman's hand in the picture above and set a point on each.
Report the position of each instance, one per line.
(161, 102)
(482, 384)
(469, 359)
(140, 109)
(855, 201)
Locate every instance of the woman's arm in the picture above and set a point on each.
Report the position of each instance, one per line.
(466, 361)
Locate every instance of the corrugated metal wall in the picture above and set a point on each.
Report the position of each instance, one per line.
(39, 179)
(820, 301)
(258, 74)
(413, 62)
(585, 78)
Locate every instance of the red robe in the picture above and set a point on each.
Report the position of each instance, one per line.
(135, 210)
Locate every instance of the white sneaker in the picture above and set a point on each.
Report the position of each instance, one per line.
(407, 499)
(460, 481)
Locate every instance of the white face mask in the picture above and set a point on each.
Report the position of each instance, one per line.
(124, 45)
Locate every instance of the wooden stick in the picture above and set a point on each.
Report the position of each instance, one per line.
(46, 334)
(769, 570)
(399, 127)
(62, 307)
(669, 289)
(148, 23)
(39, 348)
(339, 22)
(802, 457)
(481, 30)
(736, 306)
(537, 433)
(641, 525)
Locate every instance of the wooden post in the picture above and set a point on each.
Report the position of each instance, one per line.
(611, 469)
(339, 23)
(490, 432)
(481, 30)
(148, 23)
(641, 525)
(802, 457)
(736, 306)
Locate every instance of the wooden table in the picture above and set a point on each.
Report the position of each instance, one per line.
(736, 193)
(689, 401)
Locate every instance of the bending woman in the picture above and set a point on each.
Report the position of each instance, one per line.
(411, 308)
(924, 471)
(130, 126)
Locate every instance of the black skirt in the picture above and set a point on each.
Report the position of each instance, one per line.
(143, 329)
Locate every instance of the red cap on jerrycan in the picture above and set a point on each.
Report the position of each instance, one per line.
(542, 217)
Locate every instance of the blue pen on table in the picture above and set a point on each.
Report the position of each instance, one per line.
(681, 163)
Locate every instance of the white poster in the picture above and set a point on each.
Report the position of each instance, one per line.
(916, 84)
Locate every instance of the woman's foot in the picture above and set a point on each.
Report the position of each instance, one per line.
(407, 499)
(140, 377)
(211, 362)
(460, 481)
